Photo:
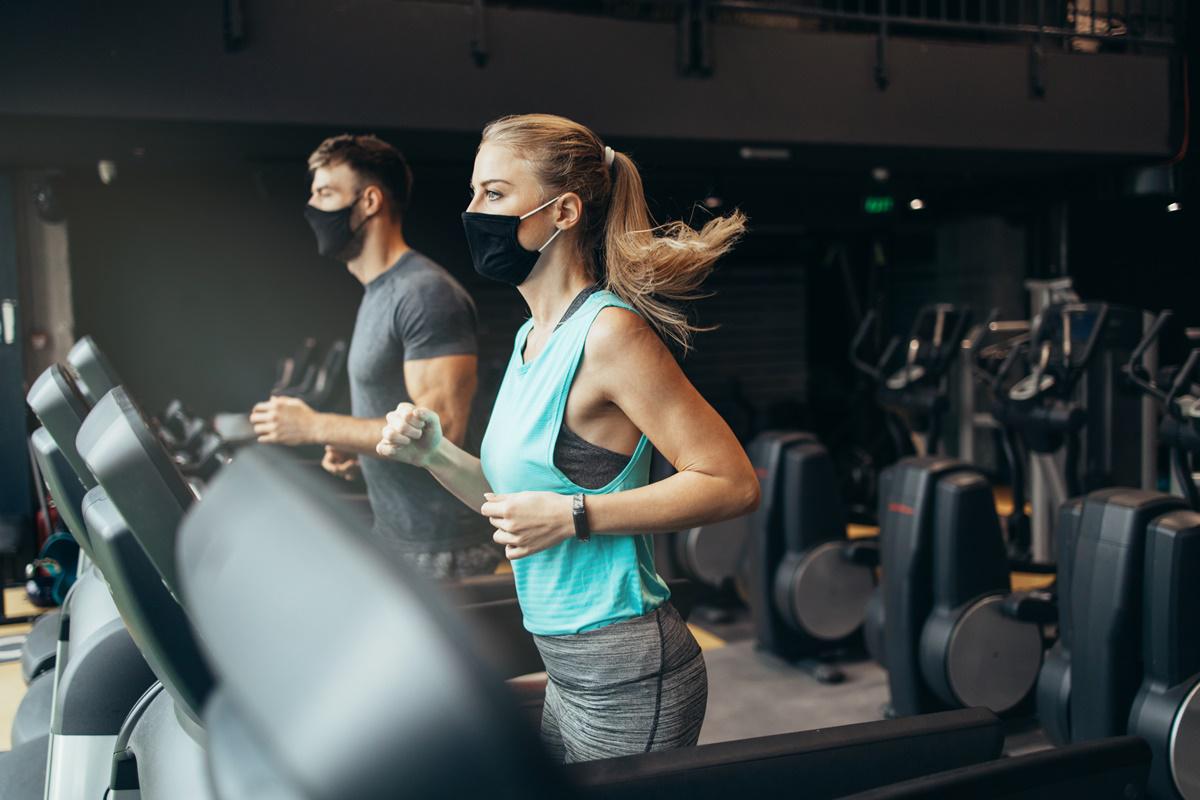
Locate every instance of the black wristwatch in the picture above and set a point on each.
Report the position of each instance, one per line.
(579, 514)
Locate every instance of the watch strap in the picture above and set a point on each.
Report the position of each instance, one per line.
(579, 515)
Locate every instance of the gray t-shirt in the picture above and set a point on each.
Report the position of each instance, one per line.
(415, 310)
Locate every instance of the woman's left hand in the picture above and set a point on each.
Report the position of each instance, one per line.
(529, 522)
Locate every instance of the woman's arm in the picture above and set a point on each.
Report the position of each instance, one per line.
(461, 474)
(714, 479)
(414, 436)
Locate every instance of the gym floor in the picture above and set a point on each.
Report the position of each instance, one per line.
(755, 694)
(12, 688)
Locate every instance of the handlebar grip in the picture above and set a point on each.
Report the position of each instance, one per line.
(863, 552)
(1038, 606)
(1135, 359)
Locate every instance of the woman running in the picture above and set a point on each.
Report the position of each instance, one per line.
(563, 473)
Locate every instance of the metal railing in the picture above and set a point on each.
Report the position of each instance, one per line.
(1082, 24)
(1152, 23)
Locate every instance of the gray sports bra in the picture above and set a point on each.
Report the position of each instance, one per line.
(588, 465)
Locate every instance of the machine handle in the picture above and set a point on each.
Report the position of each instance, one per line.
(1097, 329)
(1006, 367)
(1038, 606)
(1136, 370)
(980, 331)
(1069, 311)
(1010, 348)
(856, 343)
(1148, 339)
(956, 336)
(863, 552)
(1182, 379)
(888, 351)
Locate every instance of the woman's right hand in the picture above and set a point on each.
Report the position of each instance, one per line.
(412, 435)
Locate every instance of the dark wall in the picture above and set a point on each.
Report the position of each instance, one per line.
(754, 366)
(16, 506)
(1133, 251)
(977, 261)
(408, 65)
(195, 282)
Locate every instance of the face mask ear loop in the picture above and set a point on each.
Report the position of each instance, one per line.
(536, 210)
(539, 208)
(365, 220)
(557, 231)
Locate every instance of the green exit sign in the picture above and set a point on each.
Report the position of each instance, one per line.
(879, 204)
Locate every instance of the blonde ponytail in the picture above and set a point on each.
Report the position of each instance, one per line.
(654, 268)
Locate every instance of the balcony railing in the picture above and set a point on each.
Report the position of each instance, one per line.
(1073, 26)
(1081, 25)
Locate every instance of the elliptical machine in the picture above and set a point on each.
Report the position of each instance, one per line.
(1129, 598)
(948, 637)
(913, 422)
(1166, 709)
(1039, 414)
(810, 585)
(941, 622)
(808, 594)
(1042, 408)
(914, 395)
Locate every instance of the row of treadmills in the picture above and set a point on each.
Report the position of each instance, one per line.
(197, 656)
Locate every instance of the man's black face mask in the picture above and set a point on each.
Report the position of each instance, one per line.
(335, 237)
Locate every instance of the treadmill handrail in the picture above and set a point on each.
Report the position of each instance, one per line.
(721, 769)
(1056, 771)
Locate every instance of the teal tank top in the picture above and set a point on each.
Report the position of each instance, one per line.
(574, 586)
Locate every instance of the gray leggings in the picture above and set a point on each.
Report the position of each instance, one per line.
(630, 687)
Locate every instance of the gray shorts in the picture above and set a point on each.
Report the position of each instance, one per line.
(626, 688)
(478, 559)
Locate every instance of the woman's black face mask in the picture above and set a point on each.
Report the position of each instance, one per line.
(495, 249)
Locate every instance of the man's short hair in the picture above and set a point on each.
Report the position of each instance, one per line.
(372, 159)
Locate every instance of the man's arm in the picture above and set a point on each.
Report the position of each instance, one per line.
(291, 421)
(445, 384)
(436, 323)
(348, 434)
